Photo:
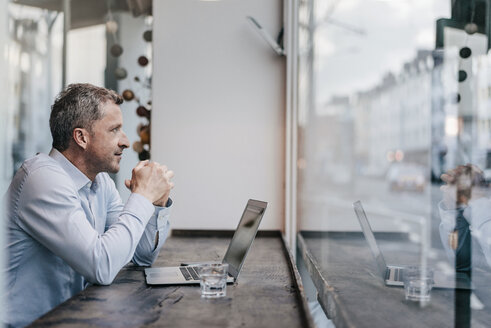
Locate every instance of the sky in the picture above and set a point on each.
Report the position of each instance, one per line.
(392, 32)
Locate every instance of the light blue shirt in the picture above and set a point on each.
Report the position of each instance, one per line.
(65, 232)
(478, 215)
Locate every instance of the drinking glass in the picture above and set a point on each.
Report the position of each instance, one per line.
(213, 279)
(418, 283)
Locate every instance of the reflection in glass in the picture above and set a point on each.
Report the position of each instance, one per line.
(34, 56)
(393, 95)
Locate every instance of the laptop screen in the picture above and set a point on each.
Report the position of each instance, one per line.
(244, 236)
(367, 231)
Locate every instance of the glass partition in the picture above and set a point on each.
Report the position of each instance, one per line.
(394, 111)
(34, 77)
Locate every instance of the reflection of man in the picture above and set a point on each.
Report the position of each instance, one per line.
(465, 211)
(66, 224)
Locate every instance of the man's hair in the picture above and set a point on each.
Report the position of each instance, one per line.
(78, 106)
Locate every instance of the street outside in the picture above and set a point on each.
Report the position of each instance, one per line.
(329, 207)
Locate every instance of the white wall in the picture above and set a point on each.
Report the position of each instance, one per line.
(219, 106)
(87, 48)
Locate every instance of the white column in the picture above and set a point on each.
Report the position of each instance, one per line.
(291, 47)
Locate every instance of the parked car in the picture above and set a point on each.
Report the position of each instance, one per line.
(406, 177)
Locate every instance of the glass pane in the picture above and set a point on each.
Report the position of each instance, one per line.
(34, 58)
(393, 95)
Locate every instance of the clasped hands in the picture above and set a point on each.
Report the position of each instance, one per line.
(462, 185)
(151, 180)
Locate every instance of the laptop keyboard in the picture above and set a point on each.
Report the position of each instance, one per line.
(189, 272)
(394, 274)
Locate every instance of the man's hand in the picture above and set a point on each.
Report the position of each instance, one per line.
(163, 200)
(463, 183)
(151, 180)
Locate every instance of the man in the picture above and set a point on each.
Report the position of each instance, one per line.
(465, 211)
(66, 224)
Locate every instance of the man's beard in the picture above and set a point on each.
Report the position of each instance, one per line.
(108, 163)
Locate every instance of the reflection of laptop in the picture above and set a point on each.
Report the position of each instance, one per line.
(236, 253)
(393, 274)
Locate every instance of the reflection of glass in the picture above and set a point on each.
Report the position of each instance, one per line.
(418, 284)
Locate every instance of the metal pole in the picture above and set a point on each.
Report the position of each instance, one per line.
(66, 28)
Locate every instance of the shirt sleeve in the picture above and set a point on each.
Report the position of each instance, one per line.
(157, 227)
(478, 214)
(51, 212)
(447, 226)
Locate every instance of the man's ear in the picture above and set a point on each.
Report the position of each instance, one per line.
(81, 137)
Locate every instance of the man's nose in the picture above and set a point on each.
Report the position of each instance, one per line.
(124, 142)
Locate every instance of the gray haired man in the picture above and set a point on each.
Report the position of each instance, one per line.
(67, 226)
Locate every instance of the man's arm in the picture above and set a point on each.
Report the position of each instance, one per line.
(465, 191)
(50, 211)
(478, 214)
(447, 229)
(153, 238)
(156, 230)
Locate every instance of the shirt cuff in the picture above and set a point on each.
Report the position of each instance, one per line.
(168, 204)
(447, 216)
(161, 214)
(139, 205)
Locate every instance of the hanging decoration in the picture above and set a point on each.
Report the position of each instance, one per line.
(120, 73)
(142, 147)
(128, 95)
(139, 87)
(143, 61)
(111, 26)
(116, 50)
(143, 112)
(147, 35)
(143, 82)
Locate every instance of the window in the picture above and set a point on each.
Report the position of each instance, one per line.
(391, 95)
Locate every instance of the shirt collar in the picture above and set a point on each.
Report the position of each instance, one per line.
(77, 176)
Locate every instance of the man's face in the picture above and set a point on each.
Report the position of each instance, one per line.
(107, 141)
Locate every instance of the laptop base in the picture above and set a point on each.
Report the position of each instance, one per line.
(394, 278)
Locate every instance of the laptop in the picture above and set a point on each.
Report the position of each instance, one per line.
(393, 274)
(235, 256)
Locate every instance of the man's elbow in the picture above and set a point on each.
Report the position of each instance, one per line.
(143, 263)
(105, 281)
(102, 278)
(146, 260)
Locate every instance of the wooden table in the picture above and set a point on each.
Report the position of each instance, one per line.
(353, 294)
(268, 292)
